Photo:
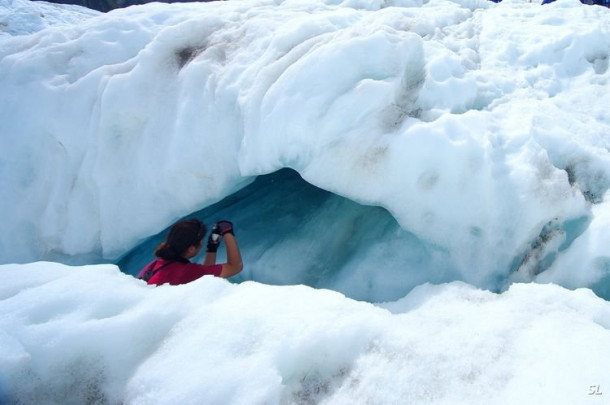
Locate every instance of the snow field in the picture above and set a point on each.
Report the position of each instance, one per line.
(71, 334)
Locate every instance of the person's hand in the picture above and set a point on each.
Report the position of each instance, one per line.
(224, 227)
(214, 240)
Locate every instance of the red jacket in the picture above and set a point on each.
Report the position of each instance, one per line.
(178, 272)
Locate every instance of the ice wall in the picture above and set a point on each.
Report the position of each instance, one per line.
(480, 128)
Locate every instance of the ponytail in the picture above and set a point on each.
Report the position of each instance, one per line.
(166, 252)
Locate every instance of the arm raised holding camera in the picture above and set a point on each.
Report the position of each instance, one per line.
(223, 230)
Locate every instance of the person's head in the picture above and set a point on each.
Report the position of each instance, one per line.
(184, 240)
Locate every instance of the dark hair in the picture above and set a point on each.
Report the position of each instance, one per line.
(182, 235)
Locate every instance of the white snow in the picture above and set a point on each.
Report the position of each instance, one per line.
(21, 17)
(464, 147)
(74, 335)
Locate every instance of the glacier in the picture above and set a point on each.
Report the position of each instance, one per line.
(419, 190)
(480, 128)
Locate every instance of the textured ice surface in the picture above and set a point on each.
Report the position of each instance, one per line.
(481, 128)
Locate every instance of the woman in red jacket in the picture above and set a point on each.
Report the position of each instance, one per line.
(185, 241)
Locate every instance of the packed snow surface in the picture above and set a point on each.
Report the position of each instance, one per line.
(76, 335)
(20, 17)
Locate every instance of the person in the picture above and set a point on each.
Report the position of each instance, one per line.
(183, 242)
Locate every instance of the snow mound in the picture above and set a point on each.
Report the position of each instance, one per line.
(73, 335)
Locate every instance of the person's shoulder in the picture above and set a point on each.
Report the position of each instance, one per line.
(147, 267)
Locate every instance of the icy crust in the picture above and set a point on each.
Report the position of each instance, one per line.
(482, 128)
(74, 335)
(22, 17)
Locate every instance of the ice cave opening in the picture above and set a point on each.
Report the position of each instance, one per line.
(291, 232)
